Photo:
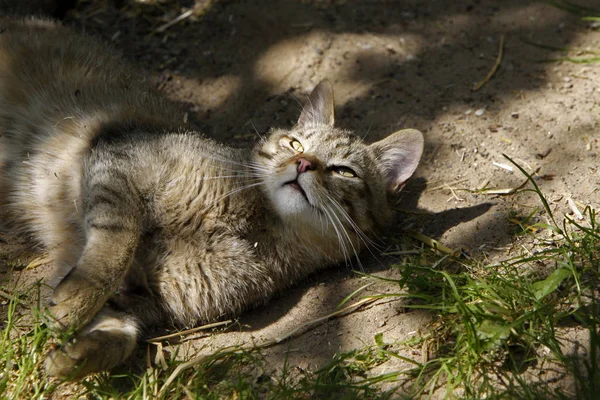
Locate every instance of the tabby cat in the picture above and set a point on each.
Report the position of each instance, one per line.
(150, 223)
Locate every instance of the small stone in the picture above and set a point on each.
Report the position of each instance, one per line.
(480, 112)
(568, 85)
(567, 79)
(515, 115)
(469, 111)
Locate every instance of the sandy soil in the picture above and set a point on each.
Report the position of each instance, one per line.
(242, 66)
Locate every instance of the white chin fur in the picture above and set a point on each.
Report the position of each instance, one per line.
(290, 203)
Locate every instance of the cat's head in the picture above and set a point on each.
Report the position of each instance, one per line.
(328, 178)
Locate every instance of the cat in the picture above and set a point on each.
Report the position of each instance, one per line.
(148, 222)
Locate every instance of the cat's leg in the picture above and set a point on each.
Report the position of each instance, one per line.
(112, 226)
(105, 343)
(97, 274)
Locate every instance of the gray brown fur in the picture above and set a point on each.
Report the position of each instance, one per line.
(148, 222)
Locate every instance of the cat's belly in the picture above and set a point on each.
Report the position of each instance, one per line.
(201, 280)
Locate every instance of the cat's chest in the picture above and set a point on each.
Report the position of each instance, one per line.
(197, 206)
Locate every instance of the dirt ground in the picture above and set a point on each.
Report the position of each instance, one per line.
(242, 66)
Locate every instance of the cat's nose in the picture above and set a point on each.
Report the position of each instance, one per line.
(304, 165)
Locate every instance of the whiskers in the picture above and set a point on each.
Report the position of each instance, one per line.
(242, 175)
(339, 220)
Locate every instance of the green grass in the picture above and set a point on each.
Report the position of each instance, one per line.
(497, 320)
(498, 328)
(21, 349)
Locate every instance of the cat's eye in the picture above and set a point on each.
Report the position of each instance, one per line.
(345, 171)
(296, 145)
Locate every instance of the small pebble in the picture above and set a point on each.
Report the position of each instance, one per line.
(568, 85)
(469, 111)
(567, 79)
(480, 112)
(515, 115)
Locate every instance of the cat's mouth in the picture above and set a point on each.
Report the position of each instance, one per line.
(296, 185)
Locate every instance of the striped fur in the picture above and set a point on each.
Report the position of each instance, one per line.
(147, 221)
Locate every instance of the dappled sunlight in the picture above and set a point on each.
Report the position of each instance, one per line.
(214, 93)
(243, 67)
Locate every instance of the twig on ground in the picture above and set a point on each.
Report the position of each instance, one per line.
(574, 208)
(169, 24)
(434, 244)
(483, 185)
(453, 194)
(8, 296)
(505, 191)
(503, 166)
(188, 331)
(267, 343)
(303, 328)
(485, 80)
(445, 185)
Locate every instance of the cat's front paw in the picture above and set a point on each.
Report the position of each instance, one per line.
(73, 304)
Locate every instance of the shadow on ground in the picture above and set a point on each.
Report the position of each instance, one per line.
(240, 67)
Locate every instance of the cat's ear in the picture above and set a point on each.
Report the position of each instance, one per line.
(398, 156)
(320, 106)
